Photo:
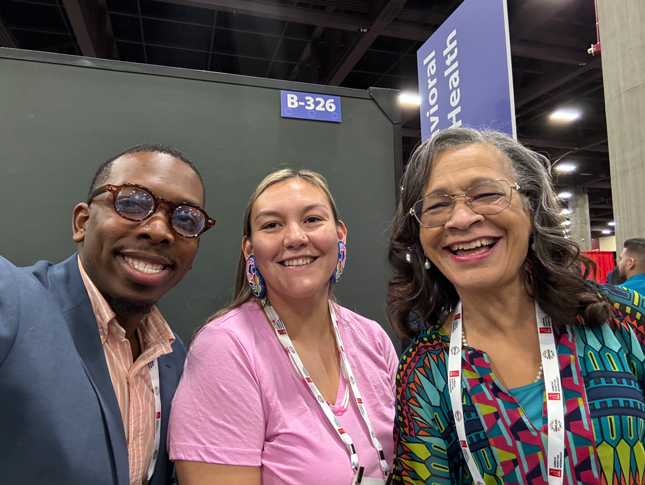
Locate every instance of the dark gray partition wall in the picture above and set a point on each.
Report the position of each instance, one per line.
(62, 116)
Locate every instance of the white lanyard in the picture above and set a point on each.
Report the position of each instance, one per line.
(555, 407)
(153, 368)
(283, 337)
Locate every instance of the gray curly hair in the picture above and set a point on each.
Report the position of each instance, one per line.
(558, 282)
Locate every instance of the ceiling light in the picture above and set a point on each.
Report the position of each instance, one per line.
(566, 167)
(606, 231)
(565, 115)
(566, 212)
(409, 98)
(612, 223)
(565, 195)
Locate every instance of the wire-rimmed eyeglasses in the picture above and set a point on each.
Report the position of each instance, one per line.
(137, 203)
(486, 198)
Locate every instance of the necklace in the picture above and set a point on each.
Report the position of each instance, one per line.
(465, 344)
(554, 397)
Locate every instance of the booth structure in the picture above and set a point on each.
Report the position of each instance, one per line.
(62, 116)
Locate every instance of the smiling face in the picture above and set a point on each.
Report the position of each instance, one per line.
(294, 239)
(133, 264)
(476, 252)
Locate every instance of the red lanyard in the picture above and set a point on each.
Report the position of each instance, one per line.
(555, 406)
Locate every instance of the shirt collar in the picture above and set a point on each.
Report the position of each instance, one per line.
(154, 329)
(636, 277)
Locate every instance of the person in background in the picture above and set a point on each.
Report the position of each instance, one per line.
(285, 386)
(88, 366)
(524, 371)
(613, 278)
(631, 266)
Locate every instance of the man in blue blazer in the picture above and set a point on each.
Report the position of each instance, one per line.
(82, 345)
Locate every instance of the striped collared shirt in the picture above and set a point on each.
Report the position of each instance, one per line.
(131, 380)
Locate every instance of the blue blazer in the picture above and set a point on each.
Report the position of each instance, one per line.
(60, 422)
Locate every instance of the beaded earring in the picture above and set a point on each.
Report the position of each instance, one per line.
(255, 278)
(340, 264)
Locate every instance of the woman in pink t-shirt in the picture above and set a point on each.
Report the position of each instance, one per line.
(284, 385)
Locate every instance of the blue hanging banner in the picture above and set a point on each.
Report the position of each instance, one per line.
(465, 72)
(310, 106)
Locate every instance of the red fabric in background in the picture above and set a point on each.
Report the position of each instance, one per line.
(605, 262)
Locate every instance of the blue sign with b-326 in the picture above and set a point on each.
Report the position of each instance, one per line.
(310, 106)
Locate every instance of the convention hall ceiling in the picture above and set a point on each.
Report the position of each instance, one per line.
(351, 43)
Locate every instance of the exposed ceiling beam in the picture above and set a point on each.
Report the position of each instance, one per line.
(534, 13)
(543, 37)
(546, 112)
(563, 56)
(408, 32)
(280, 12)
(91, 25)
(306, 52)
(536, 35)
(362, 6)
(357, 49)
(598, 185)
(421, 16)
(561, 77)
(607, 213)
(399, 30)
(6, 37)
(522, 117)
(62, 46)
(587, 145)
(591, 90)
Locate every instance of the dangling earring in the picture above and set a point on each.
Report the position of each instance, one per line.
(255, 278)
(427, 264)
(340, 264)
(533, 243)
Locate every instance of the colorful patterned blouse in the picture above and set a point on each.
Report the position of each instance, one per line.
(603, 374)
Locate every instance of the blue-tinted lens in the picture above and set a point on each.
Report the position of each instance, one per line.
(134, 203)
(187, 220)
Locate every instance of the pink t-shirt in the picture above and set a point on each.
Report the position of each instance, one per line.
(241, 402)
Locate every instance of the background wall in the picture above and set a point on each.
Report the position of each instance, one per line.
(607, 243)
(62, 116)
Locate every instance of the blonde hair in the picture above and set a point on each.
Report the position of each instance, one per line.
(243, 291)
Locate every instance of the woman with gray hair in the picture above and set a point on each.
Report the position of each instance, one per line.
(520, 371)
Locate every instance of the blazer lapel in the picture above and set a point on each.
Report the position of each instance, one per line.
(67, 286)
